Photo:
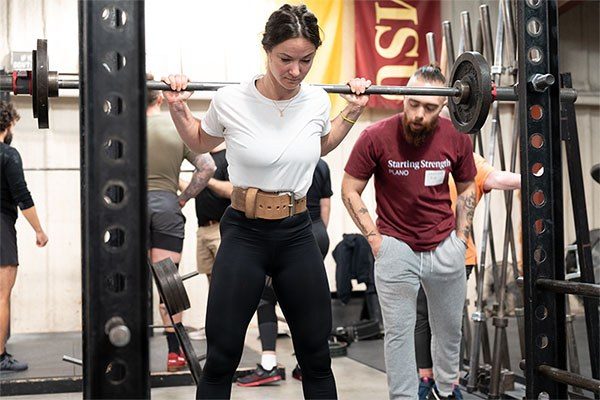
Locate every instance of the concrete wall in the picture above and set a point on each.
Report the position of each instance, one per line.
(47, 296)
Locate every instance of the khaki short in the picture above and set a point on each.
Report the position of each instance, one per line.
(208, 239)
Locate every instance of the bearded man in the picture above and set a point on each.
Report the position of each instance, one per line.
(417, 239)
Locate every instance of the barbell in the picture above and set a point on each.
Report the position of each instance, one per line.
(470, 96)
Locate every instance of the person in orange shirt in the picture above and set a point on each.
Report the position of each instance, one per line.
(487, 178)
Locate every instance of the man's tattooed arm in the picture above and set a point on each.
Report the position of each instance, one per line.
(465, 209)
(352, 188)
(205, 169)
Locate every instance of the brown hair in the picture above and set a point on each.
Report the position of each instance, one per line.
(291, 22)
(8, 115)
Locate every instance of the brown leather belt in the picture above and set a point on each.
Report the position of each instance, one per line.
(258, 204)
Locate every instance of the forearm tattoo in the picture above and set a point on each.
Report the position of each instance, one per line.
(205, 170)
(465, 212)
(353, 214)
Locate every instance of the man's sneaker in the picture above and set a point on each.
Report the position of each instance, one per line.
(425, 386)
(259, 377)
(455, 395)
(9, 363)
(297, 373)
(175, 363)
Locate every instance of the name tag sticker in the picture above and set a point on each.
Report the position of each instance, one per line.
(434, 178)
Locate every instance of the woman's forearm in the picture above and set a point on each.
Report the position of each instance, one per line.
(187, 125)
(340, 126)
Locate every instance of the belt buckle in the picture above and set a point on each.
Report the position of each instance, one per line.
(292, 205)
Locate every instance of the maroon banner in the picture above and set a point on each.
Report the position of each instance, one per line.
(391, 44)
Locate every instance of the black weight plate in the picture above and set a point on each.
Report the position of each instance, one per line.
(188, 352)
(176, 285)
(162, 284)
(338, 349)
(41, 87)
(172, 298)
(176, 290)
(34, 105)
(471, 69)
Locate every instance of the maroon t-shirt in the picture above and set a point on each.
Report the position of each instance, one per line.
(411, 183)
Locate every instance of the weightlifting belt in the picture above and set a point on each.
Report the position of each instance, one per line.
(265, 205)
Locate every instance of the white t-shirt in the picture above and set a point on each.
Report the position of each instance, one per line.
(265, 150)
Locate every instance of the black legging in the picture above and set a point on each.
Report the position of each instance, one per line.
(287, 251)
(267, 318)
(423, 331)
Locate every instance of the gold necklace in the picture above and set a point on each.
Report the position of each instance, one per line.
(281, 110)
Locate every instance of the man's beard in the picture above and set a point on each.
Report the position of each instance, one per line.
(417, 138)
(8, 138)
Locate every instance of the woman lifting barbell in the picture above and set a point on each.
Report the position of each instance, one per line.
(275, 129)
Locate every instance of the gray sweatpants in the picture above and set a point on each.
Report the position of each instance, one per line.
(398, 272)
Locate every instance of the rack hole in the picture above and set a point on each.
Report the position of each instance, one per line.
(541, 312)
(537, 169)
(539, 255)
(114, 237)
(539, 226)
(536, 112)
(113, 149)
(534, 27)
(114, 62)
(541, 341)
(536, 140)
(538, 198)
(116, 282)
(114, 17)
(116, 372)
(534, 3)
(535, 55)
(114, 194)
(113, 105)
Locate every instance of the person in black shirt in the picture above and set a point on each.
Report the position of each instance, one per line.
(211, 204)
(318, 203)
(13, 194)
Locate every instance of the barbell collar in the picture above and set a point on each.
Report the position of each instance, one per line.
(541, 82)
